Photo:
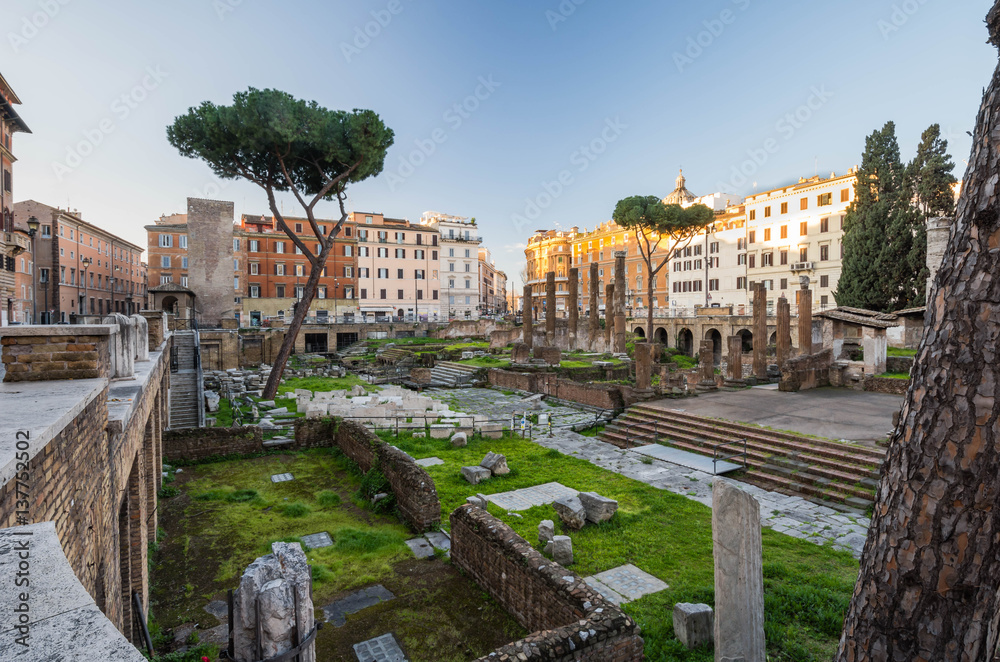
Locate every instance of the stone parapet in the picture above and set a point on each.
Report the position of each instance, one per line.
(57, 352)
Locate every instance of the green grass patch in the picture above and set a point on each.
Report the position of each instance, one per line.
(592, 431)
(895, 375)
(485, 362)
(900, 351)
(328, 499)
(297, 509)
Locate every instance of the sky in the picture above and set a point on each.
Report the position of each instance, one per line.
(526, 114)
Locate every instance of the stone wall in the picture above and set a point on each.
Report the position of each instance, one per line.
(201, 443)
(886, 385)
(568, 619)
(210, 258)
(806, 372)
(899, 364)
(43, 353)
(603, 396)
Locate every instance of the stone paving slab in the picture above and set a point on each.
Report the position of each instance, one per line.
(380, 649)
(317, 540)
(438, 540)
(429, 461)
(529, 497)
(630, 582)
(420, 548)
(281, 478)
(336, 612)
(609, 594)
(686, 459)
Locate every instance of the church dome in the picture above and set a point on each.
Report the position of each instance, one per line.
(680, 194)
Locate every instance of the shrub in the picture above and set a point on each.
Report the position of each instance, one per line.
(242, 496)
(328, 499)
(168, 491)
(297, 509)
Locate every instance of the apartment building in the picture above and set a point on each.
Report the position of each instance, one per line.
(12, 243)
(549, 250)
(23, 298)
(711, 270)
(797, 231)
(459, 263)
(82, 268)
(492, 285)
(398, 268)
(600, 246)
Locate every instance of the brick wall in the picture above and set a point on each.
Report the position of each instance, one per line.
(202, 443)
(210, 255)
(806, 372)
(886, 385)
(48, 355)
(899, 364)
(604, 396)
(569, 620)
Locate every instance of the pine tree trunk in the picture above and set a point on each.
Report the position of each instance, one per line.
(292, 332)
(930, 572)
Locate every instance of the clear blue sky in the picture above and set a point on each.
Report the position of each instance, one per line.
(625, 80)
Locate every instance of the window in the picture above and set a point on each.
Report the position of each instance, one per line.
(299, 270)
(348, 292)
(383, 273)
(362, 234)
(803, 228)
(741, 244)
(348, 272)
(236, 244)
(298, 228)
(363, 272)
(784, 283)
(279, 291)
(363, 251)
(767, 212)
(824, 281)
(784, 232)
(165, 279)
(279, 269)
(165, 261)
(783, 256)
(803, 255)
(753, 261)
(348, 251)
(364, 292)
(753, 214)
(434, 256)
(713, 285)
(298, 251)
(254, 246)
(824, 225)
(368, 220)
(753, 237)
(741, 259)
(254, 268)
(451, 252)
(381, 294)
(824, 199)
(166, 240)
(182, 241)
(767, 234)
(43, 274)
(713, 247)
(677, 266)
(279, 247)
(47, 231)
(451, 283)
(418, 274)
(451, 266)
(468, 267)
(697, 250)
(400, 253)
(184, 262)
(434, 294)
(767, 259)
(321, 292)
(468, 300)
(804, 203)
(467, 250)
(399, 294)
(236, 264)
(784, 207)
(468, 283)
(845, 194)
(434, 240)
(382, 252)
(824, 253)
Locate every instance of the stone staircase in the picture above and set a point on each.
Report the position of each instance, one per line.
(187, 399)
(829, 472)
(452, 375)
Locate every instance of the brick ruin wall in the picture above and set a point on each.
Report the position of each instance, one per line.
(210, 252)
(43, 358)
(603, 396)
(807, 372)
(886, 385)
(202, 443)
(568, 619)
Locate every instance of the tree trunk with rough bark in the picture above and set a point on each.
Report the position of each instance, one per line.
(930, 571)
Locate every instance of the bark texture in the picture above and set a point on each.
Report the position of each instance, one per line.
(930, 571)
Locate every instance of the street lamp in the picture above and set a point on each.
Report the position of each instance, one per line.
(33, 226)
(86, 262)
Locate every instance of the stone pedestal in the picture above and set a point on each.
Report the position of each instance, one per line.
(643, 366)
(706, 366)
(527, 325)
(123, 347)
(619, 332)
(278, 588)
(805, 317)
(594, 323)
(759, 331)
(784, 332)
(520, 353)
(739, 576)
(609, 314)
(550, 308)
(573, 303)
(141, 337)
(734, 362)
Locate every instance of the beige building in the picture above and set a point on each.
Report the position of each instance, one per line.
(549, 250)
(459, 263)
(12, 243)
(492, 285)
(711, 271)
(797, 231)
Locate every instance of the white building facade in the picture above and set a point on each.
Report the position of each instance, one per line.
(459, 264)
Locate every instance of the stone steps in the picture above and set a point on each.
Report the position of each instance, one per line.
(818, 469)
(450, 374)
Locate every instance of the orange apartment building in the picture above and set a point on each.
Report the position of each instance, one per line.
(82, 268)
(12, 243)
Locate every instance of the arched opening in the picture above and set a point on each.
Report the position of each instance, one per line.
(747, 338)
(685, 342)
(660, 335)
(170, 304)
(639, 332)
(399, 313)
(716, 338)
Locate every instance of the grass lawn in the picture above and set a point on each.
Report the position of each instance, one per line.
(895, 375)
(684, 362)
(486, 362)
(807, 587)
(900, 351)
(226, 514)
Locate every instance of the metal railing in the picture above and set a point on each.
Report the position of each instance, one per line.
(717, 457)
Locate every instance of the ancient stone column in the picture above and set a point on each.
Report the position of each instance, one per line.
(805, 304)
(550, 308)
(759, 331)
(278, 587)
(574, 304)
(739, 575)
(734, 361)
(784, 331)
(706, 366)
(609, 314)
(595, 303)
(621, 282)
(643, 365)
(526, 317)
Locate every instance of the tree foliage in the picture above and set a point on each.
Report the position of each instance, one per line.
(653, 222)
(284, 144)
